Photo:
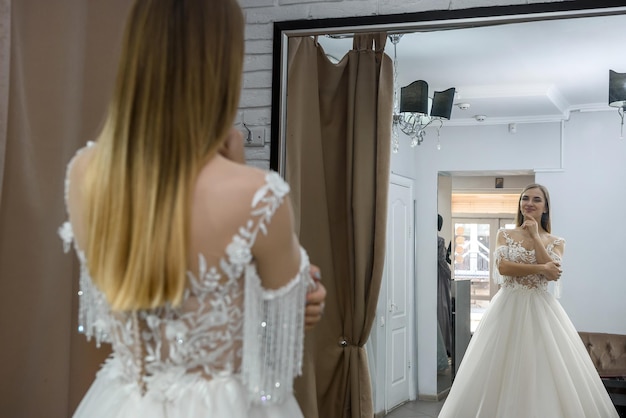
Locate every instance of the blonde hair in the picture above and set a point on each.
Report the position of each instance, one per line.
(175, 98)
(546, 223)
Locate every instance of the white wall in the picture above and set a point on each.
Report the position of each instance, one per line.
(588, 203)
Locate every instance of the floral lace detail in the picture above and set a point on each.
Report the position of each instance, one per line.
(516, 252)
(204, 336)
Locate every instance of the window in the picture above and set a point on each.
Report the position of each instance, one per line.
(474, 243)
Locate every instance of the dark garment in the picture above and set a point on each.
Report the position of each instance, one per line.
(444, 284)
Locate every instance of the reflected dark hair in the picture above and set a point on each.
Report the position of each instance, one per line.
(439, 222)
(545, 217)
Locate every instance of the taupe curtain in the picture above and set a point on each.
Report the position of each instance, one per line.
(338, 151)
(63, 56)
(5, 65)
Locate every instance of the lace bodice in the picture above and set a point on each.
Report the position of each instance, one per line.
(513, 249)
(226, 323)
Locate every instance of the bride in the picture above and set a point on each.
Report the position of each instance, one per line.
(526, 359)
(190, 267)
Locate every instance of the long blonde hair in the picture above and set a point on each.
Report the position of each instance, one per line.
(175, 97)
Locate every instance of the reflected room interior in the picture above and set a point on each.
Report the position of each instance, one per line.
(531, 104)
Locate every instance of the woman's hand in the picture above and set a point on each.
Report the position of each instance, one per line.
(552, 270)
(233, 148)
(530, 225)
(314, 300)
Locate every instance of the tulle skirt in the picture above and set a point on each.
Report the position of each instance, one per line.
(175, 396)
(526, 360)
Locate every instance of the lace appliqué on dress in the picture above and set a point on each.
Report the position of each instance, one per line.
(226, 324)
(514, 251)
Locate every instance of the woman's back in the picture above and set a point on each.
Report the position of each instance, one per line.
(242, 303)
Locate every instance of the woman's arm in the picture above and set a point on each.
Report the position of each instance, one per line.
(550, 269)
(514, 269)
(532, 227)
(277, 252)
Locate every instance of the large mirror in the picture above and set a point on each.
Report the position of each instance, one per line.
(531, 103)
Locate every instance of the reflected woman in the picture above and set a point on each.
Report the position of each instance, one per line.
(526, 359)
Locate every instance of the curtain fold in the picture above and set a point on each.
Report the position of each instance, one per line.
(62, 68)
(338, 152)
(5, 66)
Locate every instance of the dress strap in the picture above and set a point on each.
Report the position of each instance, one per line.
(264, 204)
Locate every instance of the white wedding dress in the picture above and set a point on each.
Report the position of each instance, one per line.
(231, 349)
(526, 359)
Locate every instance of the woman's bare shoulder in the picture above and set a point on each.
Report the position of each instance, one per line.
(75, 174)
(226, 178)
(81, 158)
(226, 190)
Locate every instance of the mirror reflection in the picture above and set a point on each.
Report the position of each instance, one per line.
(531, 106)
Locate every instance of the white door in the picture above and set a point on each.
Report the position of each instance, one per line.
(399, 269)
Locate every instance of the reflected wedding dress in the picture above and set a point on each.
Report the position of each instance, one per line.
(231, 349)
(526, 359)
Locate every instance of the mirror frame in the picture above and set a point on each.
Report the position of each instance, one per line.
(408, 22)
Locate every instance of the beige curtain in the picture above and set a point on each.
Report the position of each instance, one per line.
(63, 56)
(5, 63)
(338, 150)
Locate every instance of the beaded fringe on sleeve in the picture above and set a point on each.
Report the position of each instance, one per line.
(273, 335)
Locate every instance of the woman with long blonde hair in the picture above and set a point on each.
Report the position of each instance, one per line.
(190, 267)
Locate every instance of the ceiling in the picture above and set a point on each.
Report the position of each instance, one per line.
(516, 72)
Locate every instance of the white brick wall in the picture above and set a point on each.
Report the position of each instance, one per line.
(255, 106)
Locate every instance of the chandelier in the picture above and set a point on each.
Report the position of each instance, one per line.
(410, 107)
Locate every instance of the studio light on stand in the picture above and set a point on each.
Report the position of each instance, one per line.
(410, 107)
(617, 95)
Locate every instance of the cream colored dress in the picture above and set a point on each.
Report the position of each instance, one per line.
(526, 359)
(232, 349)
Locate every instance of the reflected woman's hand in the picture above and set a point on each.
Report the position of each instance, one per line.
(552, 270)
(314, 300)
(531, 226)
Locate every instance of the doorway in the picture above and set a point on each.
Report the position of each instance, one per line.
(474, 242)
